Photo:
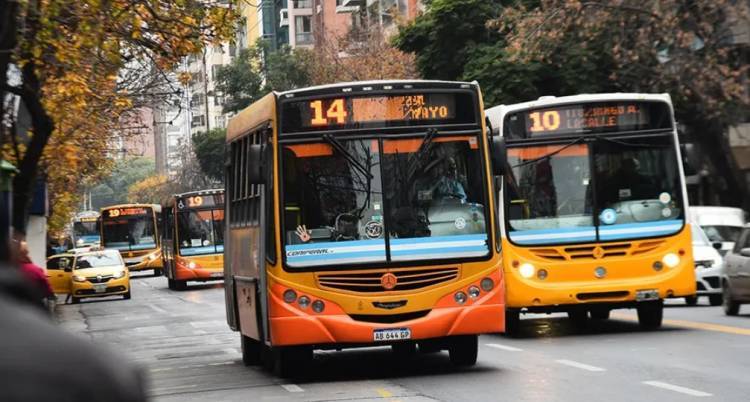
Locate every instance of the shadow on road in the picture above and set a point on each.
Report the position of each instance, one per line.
(557, 327)
(381, 363)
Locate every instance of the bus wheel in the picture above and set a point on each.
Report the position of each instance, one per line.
(600, 314)
(691, 300)
(512, 322)
(250, 350)
(650, 314)
(291, 361)
(463, 350)
(180, 285)
(579, 318)
(170, 284)
(404, 349)
(715, 300)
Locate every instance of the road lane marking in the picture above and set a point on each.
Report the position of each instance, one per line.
(292, 388)
(676, 388)
(384, 393)
(581, 366)
(158, 309)
(503, 347)
(694, 325)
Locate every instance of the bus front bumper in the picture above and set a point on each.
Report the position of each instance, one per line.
(486, 314)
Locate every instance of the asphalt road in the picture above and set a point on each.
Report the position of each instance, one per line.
(182, 341)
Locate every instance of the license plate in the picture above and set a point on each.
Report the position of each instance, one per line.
(392, 334)
(100, 288)
(647, 295)
(216, 274)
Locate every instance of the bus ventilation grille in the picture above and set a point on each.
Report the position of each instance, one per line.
(597, 251)
(369, 282)
(389, 318)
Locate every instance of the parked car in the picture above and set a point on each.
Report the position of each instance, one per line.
(721, 224)
(99, 273)
(735, 278)
(708, 264)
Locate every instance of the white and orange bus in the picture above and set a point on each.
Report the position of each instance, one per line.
(359, 214)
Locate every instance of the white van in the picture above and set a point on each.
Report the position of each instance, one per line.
(721, 224)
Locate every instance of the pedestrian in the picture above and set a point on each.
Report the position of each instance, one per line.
(34, 274)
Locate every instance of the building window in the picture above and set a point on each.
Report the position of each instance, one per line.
(303, 28)
(198, 121)
(302, 3)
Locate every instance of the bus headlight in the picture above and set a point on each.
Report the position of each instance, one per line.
(473, 292)
(304, 301)
(79, 278)
(290, 296)
(152, 256)
(192, 265)
(487, 284)
(526, 270)
(318, 306)
(671, 260)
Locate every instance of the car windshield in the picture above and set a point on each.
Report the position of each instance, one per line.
(554, 196)
(131, 233)
(699, 238)
(721, 233)
(201, 232)
(103, 259)
(338, 205)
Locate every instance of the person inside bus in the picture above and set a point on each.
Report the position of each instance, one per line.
(627, 183)
(449, 184)
(543, 193)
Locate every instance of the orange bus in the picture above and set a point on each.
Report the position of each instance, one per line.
(193, 237)
(359, 214)
(133, 230)
(593, 206)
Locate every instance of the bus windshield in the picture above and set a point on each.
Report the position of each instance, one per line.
(424, 195)
(86, 232)
(129, 233)
(553, 195)
(201, 232)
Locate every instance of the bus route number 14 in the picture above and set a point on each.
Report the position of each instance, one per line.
(336, 112)
(547, 121)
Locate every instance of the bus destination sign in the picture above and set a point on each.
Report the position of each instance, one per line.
(589, 118)
(201, 201)
(118, 212)
(377, 111)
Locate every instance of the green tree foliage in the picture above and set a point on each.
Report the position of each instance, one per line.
(243, 82)
(209, 151)
(114, 189)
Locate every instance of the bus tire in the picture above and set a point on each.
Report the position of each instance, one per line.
(730, 306)
(579, 318)
(512, 322)
(170, 284)
(251, 351)
(691, 300)
(180, 285)
(715, 300)
(463, 350)
(291, 361)
(600, 314)
(650, 314)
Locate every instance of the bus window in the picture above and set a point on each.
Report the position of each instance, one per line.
(201, 232)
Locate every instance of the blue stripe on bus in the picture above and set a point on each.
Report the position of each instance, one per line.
(335, 255)
(439, 251)
(201, 250)
(335, 244)
(439, 239)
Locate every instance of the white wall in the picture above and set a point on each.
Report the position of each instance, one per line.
(36, 238)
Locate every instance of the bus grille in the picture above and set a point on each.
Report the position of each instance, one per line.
(596, 251)
(369, 282)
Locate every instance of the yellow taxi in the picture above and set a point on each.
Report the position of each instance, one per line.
(99, 273)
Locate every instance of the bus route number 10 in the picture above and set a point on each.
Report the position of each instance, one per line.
(546, 121)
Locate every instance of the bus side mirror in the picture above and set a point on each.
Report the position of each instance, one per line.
(499, 155)
(256, 159)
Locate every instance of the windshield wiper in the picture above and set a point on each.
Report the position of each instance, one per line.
(547, 156)
(348, 156)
